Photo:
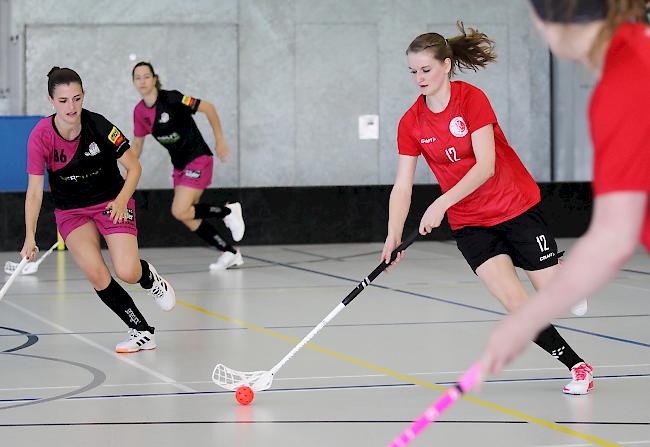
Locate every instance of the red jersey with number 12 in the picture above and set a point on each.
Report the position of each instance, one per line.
(445, 141)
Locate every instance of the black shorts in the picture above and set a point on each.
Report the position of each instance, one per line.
(525, 238)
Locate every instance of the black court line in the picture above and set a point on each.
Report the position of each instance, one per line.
(31, 338)
(446, 301)
(291, 422)
(640, 272)
(317, 388)
(315, 421)
(307, 326)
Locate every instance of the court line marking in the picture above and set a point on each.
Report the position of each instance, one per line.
(314, 388)
(342, 421)
(447, 301)
(113, 354)
(306, 326)
(359, 362)
(361, 376)
(98, 377)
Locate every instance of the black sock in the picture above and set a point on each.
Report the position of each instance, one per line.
(146, 280)
(210, 234)
(205, 211)
(120, 302)
(553, 343)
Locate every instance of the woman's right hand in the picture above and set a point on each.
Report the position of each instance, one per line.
(391, 243)
(29, 249)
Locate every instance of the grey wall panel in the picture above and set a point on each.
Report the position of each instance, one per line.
(573, 148)
(336, 81)
(125, 11)
(284, 95)
(267, 103)
(103, 55)
(339, 12)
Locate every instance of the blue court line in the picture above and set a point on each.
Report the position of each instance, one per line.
(446, 301)
(323, 388)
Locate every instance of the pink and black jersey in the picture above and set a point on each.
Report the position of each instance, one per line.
(170, 122)
(620, 120)
(82, 172)
(444, 139)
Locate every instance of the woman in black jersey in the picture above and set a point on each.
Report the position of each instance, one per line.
(167, 115)
(81, 149)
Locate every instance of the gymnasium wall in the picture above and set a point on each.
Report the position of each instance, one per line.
(290, 78)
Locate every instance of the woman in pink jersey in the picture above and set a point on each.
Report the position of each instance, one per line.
(168, 116)
(491, 201)
(609, 38)
(81, 150)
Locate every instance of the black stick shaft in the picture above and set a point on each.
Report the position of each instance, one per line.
(380, 268)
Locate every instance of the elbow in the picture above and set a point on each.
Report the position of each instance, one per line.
(489, 172)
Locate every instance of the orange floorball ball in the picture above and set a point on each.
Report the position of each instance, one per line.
(244, 395)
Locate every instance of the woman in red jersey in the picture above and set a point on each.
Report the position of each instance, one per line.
(491, 201)
(609, 38)
(81, 150)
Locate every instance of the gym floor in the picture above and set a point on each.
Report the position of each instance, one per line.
(365, 376)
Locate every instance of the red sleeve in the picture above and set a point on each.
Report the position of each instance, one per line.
(620, 125)
(477, 109)
(407, 144)
(140, 128)
(36, 150)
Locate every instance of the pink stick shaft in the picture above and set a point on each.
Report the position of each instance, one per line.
(466, 382)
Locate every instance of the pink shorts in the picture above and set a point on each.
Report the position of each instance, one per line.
(69, 220)
(197, 174)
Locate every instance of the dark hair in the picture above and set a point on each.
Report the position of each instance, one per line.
(471, 50)
(153, 73)
(58, 76)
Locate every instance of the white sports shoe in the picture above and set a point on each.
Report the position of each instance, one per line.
(137, 340)
(234, 221)
(227, 260)
(583, 379)
(161, 291)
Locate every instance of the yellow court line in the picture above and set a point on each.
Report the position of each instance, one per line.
(510, 412)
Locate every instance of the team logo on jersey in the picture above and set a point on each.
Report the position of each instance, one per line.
(188, 101)
(192, 173)
(129, 213)
(93, 150)
(427, 140)
(116, 137)
(168, 139)
(164, 118)
(457, 127)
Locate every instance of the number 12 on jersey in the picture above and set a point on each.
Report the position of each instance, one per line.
(451, 154)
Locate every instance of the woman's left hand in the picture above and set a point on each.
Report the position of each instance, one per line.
(432, 217)
(223, 152)
(119, 212)
(508, 339)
